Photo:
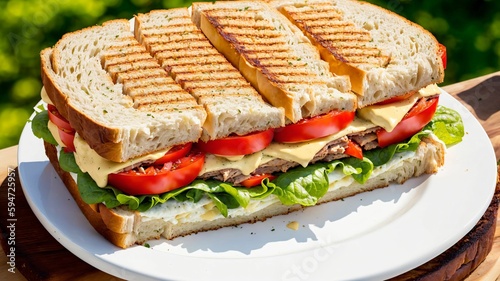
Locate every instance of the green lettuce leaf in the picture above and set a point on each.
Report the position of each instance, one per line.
(39, 126)
(68, 163)
(261, 191)
(303, 185)
(93, 194)
(359, 169)
(380, 156)
(447, 125)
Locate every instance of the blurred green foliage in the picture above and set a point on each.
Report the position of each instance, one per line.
(470, 30)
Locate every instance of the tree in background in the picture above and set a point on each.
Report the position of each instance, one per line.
(470, 30)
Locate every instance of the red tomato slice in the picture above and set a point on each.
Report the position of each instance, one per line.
(443, 55)
(56, 118)
(238, 145)
(174, 153)
(418, 107)
(67, 138)
(414, 121)
(314, 127)
(353, 149)
(256, 180)
(159, 179)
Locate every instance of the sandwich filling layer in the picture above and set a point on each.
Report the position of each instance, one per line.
(204, 210)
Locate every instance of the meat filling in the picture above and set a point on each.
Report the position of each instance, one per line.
(332, 151)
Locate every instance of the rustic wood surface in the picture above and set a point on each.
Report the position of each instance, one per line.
(40, 257)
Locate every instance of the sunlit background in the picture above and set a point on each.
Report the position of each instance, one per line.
(470, 29)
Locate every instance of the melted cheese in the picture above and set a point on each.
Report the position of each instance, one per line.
(55, 133)
(44, 96)
(98, 167)
(388, 116)
(301, 153)
(246, 164)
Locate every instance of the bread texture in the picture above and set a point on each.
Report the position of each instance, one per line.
(274, 56)
(125, 228)
(233, 106)
(384, 54)
(116, 95)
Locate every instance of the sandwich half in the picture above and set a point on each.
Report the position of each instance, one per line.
(105, 104)
(384, 54)
(195, 121)
(273, 55)
(233, 106)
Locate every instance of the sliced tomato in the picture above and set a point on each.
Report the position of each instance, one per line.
(414, 121)
(354, 149)
(443, 55)
(174, 153)
(238, 145)
(418, 107)
(158, 179)
(314, 127)
(396, 99)
(67, 138)
(66, 132)
(257, 179)
(56, 118)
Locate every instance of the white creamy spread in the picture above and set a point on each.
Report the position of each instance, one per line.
(186, 212)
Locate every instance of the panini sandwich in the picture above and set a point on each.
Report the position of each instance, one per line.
(194, 121)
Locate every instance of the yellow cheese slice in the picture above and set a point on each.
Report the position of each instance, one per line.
(301, 153)
(55, 133)
(246, 164)
(388, 116)
(98, 167)
(44, 96)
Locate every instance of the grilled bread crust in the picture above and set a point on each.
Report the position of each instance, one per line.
(347, 49)
(125, 228)
(115, 95)
(274, 56)
(384, 54)
(232, 104)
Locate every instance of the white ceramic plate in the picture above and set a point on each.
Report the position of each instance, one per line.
(374, 235)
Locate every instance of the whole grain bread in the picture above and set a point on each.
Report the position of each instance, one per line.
(125, 228)
(116, 95)
(384, 54)
(233, 106)
(274, 56)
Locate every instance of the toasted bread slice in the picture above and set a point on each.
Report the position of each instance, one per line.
(384, 54)
(99, 78)
(232, 104)
(274, 57)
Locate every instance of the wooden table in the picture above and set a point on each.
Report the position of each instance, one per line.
(480, 95)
